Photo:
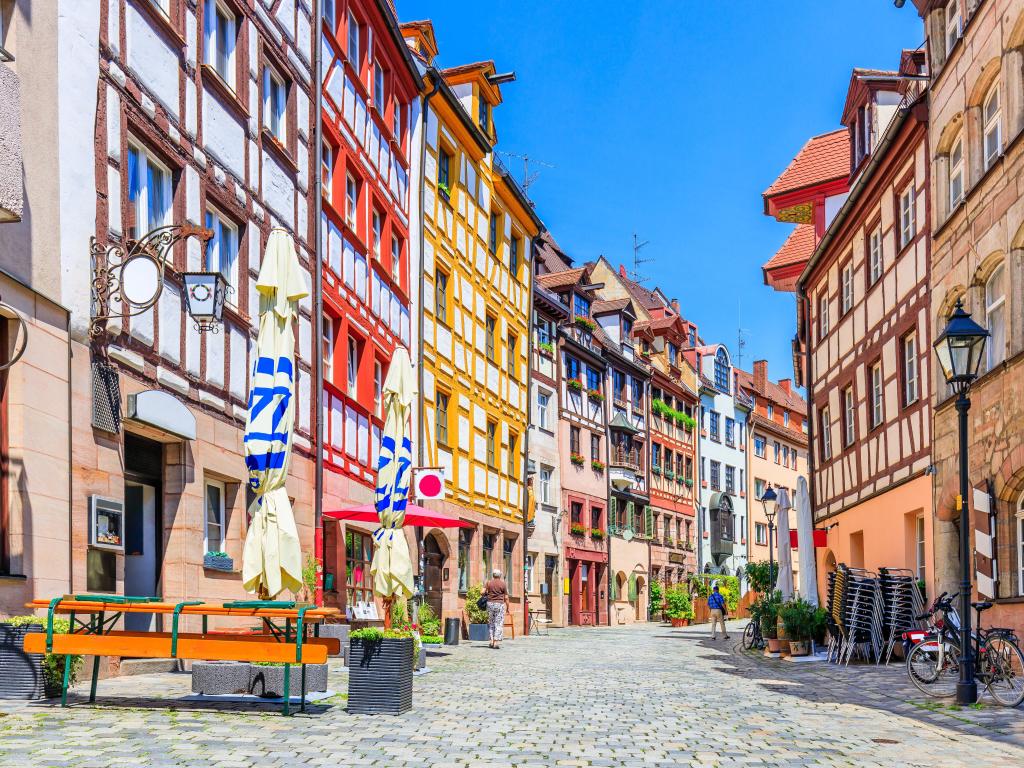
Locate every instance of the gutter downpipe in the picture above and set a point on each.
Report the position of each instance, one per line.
(809, 384)
(526, 440)
(318, 319)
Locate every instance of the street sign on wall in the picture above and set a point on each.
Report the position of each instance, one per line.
(428, 483)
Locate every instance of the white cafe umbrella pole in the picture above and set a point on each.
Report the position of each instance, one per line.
(785, 580)
(805, 533)
(272, 557)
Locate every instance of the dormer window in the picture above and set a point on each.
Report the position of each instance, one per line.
(581, 307)
(673, 354)
(954, 24)
(483, 115)
(627, 328)
(722, 371)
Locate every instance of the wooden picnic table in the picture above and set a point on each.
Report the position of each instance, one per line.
(286, 637)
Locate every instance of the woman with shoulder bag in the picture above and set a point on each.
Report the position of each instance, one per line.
(496, 595)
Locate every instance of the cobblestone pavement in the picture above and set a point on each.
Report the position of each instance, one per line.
(637, 696)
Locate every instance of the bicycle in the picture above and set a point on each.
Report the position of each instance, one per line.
(752, 635)
(933, 665)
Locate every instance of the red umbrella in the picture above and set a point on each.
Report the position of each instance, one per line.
(414, 515)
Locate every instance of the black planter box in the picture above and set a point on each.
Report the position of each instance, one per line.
(479, 632)
(218, 563)
(380, 676)
(21, 674)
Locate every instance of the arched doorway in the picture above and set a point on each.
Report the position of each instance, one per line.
(433, 586)
(641, 599)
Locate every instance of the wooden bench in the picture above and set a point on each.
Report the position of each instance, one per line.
(96, 637)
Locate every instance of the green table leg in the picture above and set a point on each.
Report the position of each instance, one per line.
(67, 675)
(302, 705)
(95, 678)
(287, 688)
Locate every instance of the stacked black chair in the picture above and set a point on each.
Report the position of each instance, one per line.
(902, 604)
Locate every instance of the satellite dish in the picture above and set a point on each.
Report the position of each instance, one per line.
(141, 281)
(627, 535)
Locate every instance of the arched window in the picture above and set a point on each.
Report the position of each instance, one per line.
(991, 112)
(995, 316)
(722, 371)
(956, 173)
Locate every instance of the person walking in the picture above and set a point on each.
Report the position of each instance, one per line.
(496, 592)
(717, 605)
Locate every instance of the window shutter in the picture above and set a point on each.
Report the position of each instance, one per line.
(613, 521)
(614, 588)
(632, 588)
(648, 522)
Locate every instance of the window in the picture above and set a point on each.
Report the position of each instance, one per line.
(576, 512)
(689, 468)
(995, 316)
(528, 566)
(513, 342)
(513, 455)
(488, 554)
(956, 173)
(545, 485)
(993, 136)
(656, 455)
(396, 121)
(595, 447)
(441, 417)
(761, 534)
(619, 385)
(730, 479)
(490, 323)
(910, 387)
(875, 255)
(149, 192)
(908, 224)
(759, 486)
(378, 388)
(847, 288)
(513, 255)
(636, 390)
(776, 451)
(378, 230)
(759, 446)
(543, 410)
(378, 87)
(785, 418)
(465, 538)
(770, 410)
(715, 435)
(722, 371)
(219, 30)
(919, 529)
(396, 258)
(358, 557)
(593, 379)
(580, 306)
(351, 200)
(953, 24)
(326, 170)
(673, 354)
(327, 8)
(572, 368)
(353, 43)
(848, 417)
(876, 394)
(492, 234)
(716, 476)
(327, 347)
(441, 297)
(215, 524)
(1020, 545)
(492, 433)
(483, 113)
(352, 377)
(730, 429)
(444, 161)
(596, 513)
(826, 434)
(275, 104)
(222, 251)
(822, 316)
(164, 6)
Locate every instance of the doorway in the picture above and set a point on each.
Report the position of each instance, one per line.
(433, 585)
(142, 523)
(550, 566)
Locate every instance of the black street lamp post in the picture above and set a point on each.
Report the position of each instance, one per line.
(959, 350)
(768, 497)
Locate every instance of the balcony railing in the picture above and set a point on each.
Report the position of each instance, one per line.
(622, 457)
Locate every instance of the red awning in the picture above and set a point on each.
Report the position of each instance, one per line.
(415, 515)
(820, 538)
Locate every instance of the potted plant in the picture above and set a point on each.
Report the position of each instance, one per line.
(689, 482)
(477, 616)
(656, 599)
(547, 349)
(218, 561)
(380, 671)
(577, 529)
(32, 675)
(678, 606)
(595, 395)
(797, 617)
(585, 323)
(597, 466)
(574, 384)
(446, 193)
(577, 459)
(596, 533)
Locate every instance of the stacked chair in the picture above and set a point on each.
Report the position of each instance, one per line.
(902, 604)
(856, 606)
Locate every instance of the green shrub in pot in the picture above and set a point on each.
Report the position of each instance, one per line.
(678, 604)
(798, 619)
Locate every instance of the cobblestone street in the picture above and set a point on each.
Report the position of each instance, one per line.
(642, 696)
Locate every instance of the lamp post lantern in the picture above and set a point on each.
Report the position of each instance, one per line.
(769, 497)
(960, 348)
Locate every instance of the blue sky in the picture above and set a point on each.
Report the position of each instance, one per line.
(668, 118)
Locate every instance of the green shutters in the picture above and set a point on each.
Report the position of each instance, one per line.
(613, 519)
(632, 588)
(648, 522)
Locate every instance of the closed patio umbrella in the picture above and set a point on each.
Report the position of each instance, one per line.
(785, 581)
(272, 558)
(391, 567)
(805, 532)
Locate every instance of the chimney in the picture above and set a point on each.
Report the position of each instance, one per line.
(622, 270)
(675, 305)
(761, 375)
(786, 384)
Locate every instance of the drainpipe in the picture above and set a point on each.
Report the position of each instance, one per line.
(318, 318)
(608, 499)
(71, 464)
(809, 385)
(526, 442)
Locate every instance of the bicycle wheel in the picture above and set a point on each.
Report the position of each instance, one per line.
(1005, 666)
(748, 637)
(926, 672)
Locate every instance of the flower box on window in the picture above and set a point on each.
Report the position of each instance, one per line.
(595, 395)
(689, 482)
(655, 470)
(444, 191)
(576, 458)
(546, 348)
(669, 474)
(597, 466)
(597, 533)
(586, 324)
(575, 385)
(577, 529)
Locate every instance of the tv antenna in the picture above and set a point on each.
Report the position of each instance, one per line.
(740, 341)
(528, 178)
(635, 274)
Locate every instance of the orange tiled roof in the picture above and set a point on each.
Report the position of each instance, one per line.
(773, 393)
(564, 279)
(798, 248)
(823, 158)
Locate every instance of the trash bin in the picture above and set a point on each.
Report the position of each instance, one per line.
(452, 631)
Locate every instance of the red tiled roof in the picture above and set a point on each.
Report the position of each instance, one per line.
(793, 435)
(823, 158)
(798, 248)
(564, 279)
(774, 393)
(609, 305)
